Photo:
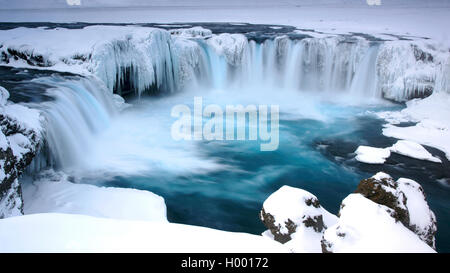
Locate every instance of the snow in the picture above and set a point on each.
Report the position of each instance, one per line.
(410, 17)
(407, 69)
(364, 226)
(289, 203)
(432, 115)
(20, 145)
(52, 192)
(10, 203)
(372, 155)
(54, 232)
(27, 119)
(420, 215)
(194, 32)
(414, 150)
(106, 51)
(232, 46)
(4, 96)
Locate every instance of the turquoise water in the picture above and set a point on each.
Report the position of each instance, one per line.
(315, 154)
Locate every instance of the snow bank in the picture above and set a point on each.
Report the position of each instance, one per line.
(364, 226)
(421, 219)
(55, 232)
(432, 115)
(295, 218)
(371, 155)
(414, 150)
(52, 193)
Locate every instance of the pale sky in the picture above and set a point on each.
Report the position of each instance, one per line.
(46, 4)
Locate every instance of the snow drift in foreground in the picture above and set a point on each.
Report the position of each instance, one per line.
(54, 232)
(52, 192)
(69, 217)
(382, 215)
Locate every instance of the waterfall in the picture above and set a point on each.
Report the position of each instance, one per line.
(80, 109)
(308, 65)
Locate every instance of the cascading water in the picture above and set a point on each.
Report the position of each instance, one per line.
(87, 136)
(80, 109)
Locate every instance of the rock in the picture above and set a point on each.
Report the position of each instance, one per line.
(19, 141)
(294, 217)
(193, 32)
(365, 226)
(422, 220)
(407, 200)
(231, 46)
(382, 189)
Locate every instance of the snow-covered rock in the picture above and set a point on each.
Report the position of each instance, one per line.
(414, 150)
(294, 217)
(432, 116)
(193, 32)
(365, 226)
(4, 96)
(372, 155)
(52, 192)
(20, 136)
(407, 202)
(421, 219)
(232, 46)
(124, 57)
(54, 232)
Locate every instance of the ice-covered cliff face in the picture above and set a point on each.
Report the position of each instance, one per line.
(132, 59)
(20, 135)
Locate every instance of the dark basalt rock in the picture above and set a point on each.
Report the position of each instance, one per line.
(315, 222)
(308, 214)
(269, 222)
(373, 189)
(385, 192)
(31, 59)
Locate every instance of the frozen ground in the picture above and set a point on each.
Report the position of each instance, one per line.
(52, 192)
(414, 17)
(54, 232)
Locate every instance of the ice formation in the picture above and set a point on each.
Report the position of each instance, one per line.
(141, 59)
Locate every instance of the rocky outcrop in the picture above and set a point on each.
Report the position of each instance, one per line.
(19, 140)
(365, 226)
(295, 217)
(382, 189)
(407, 200)
(383, 215)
